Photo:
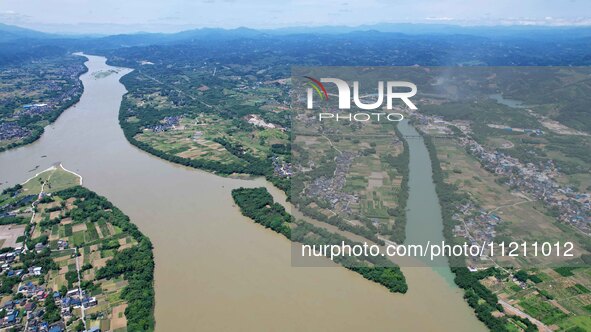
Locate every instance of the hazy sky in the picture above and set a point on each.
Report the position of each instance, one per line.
(109, 16)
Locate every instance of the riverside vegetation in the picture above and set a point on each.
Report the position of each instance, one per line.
(258, 204)
(34, 94)
(85, 259)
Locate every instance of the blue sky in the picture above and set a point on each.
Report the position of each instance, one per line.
(113, 16)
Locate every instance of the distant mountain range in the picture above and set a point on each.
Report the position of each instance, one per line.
(11, 32)
(19, 44)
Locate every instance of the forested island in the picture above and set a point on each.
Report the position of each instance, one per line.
(258, 204)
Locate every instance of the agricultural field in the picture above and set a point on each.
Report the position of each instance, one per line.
(559, 297)
(520, 218)
(196, 138)
(34, 95)
(71, 272)
(96, 243)
(567, 151)
(528, 120)
(353, 175)
(225, 119)
(510, 181)
(362, 189)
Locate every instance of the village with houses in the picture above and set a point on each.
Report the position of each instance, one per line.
(507, 199)
(57, 240)
(33, 96)
(531, 182)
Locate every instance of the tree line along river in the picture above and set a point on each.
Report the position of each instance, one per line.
(217, 270)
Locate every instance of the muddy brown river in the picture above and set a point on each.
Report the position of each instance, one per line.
(215, 269)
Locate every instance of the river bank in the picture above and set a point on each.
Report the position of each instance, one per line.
(215, 269)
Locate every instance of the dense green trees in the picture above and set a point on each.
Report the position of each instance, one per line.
(136, 264)
(523, 276)
(258, 204)
(42, 259)
(390, 277)
(12, 220)
(12, 190)
(52, 312)
(375, 268)
(7, 283)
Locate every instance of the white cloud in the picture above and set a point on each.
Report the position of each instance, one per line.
(444, 18)
(12, 17)
(152, 15)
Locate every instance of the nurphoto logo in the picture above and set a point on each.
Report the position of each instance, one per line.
(344, 99)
